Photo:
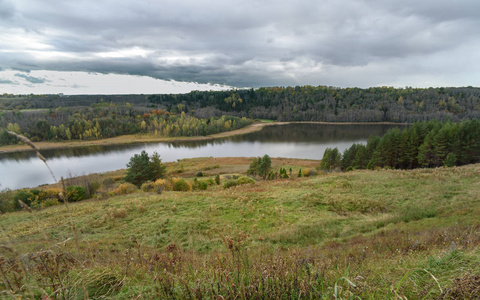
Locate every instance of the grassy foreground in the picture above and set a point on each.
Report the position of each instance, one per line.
(384, 234)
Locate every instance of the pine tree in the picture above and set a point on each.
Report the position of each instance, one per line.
(331, 160)
(264, 166)
(426, 154)
(141, 168)
(253, 168)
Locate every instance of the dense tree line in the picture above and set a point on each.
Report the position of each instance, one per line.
(424, 144)
(104, 120)
(309, 103)
(20, 102)
(300, 103)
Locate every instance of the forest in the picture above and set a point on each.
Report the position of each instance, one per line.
(424, 144)
(330, 104)
(83, 117)
(104, 120)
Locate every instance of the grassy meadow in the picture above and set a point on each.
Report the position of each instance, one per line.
(383, 234)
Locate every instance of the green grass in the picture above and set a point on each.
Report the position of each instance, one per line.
(372, 234)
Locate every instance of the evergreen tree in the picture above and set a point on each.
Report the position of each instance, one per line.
(450, 160)
(441, 144)
(331, 160)
(403, 158)
(253, 168)
(349, 156)
(416, 135)
(264, 166)
(361, 159)
(426, 154)
(142, 168)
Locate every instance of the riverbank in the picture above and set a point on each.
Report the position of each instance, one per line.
(149, 138)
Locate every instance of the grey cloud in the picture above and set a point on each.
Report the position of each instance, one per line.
(435, 10)
(31, 79)
(247, 42)
(6, 81)
(7, 10)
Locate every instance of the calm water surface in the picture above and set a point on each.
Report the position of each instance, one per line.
(308, 141)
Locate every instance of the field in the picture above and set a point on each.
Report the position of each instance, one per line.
(384, 234)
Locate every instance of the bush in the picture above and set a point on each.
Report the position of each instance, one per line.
(147, 186)
(181, 185)
(245, 180)
(116, 213)
(49, 194)
(201, 185)
(92, 187)
(240, 181)
(309, 172)
(76, 193)
(200, 174)
(25, 196)
(7, 203)
(167, 184)
(217, 179)
(108, 182)
(156, 187)
(125, 188)
(229, 183)
(49, 202)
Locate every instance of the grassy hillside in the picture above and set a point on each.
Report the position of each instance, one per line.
(372, 234)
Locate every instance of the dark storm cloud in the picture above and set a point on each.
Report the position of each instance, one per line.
(244, 43)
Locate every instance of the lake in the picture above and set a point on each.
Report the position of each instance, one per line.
(306, 141)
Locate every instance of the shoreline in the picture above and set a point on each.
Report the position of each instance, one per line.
(148, 138)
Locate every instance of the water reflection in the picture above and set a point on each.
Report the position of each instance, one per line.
(307, 141)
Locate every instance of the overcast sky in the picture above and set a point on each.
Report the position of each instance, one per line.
(171, 46)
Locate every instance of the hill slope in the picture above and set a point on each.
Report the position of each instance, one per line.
(374, 234)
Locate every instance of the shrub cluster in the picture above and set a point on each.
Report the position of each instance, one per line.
(37, 198)
(125, 188)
